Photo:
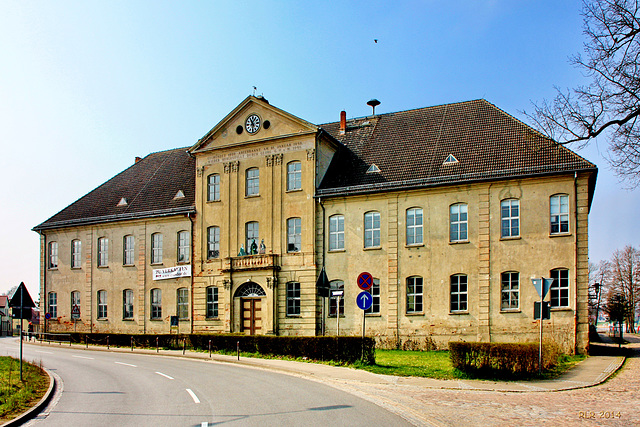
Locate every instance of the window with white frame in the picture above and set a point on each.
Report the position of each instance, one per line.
(103, 252)
(213, 184)
(458, 223)
(293, 299)
(156, 303)
(336, 232)
(459, 293)
(253, 235)
(53, 305)
(559, 289)
(253, 182)
(212, 302)
(294, 176)
(127, 304)
(294, 234)
(156, 248)
(372, 230)
(128, 243)
(75, 301)
(415, 294)
(213, 242)
(184, 246)
(76, 254)
(375, 295)
(334, 308)
(510, 218)
(102, 304)
(183, 303)
(559, 212)
(510, 290)
(414, 226)
(53, 255)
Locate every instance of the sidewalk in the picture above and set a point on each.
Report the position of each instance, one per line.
(592, 371)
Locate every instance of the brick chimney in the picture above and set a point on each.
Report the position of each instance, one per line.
(343, 122)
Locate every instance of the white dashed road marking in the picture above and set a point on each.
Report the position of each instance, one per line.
(126, 364)
(193, 396)
(164, 375)
(83, 357)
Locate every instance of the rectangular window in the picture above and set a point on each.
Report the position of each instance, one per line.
(213, 242)
(76, 254)
(336, 232)
(53, 305)
(559, 211)
(103, 252)
(414, 226)
(559, 290)
(294, 234)
(214, 188)
(127, 304)
(336, 285)
(510, 290)
(183, 303)
(293, 299)
(414, 295)
(212, 301)
(294, 176)
(253, 182)
(458, 292)
(156, 304)
(253, 237)
(510, 218)
(458, 223)
(372, 230)
(127, 251)
(53, 254)
(375, 294)
(102, 304)
(184, 246)
(156, 248)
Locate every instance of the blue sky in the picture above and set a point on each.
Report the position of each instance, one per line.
(86, 86)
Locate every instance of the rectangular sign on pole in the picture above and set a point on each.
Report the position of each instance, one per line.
(546, 310)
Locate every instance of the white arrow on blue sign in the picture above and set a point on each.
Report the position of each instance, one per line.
(364, 300)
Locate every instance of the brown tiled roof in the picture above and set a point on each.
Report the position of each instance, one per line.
(149, 186)
(410, 148)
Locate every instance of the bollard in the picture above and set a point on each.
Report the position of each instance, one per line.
(86, 341)
(209, 348)
(238, 349)
(132, 343)
(107, 342)
(157, 346)
(184, 345)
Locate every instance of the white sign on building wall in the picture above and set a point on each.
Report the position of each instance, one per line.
(172, 272)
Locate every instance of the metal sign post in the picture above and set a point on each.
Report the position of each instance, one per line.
(364, 300)
(542, 285)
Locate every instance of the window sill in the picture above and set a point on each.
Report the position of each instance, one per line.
(456, 313)
(251, 196)
(510, 238)
(156, 263)
(561, 308)
(128, 319)
(103, 266)
(416, 313)
(52, 268)
(373, 314)
(102, 319)
(373, 248)
(459, 242)
(156, 319)
(510, 310)
(184, 262)
(212, 318)
(414, 245)
(214, 201)
(128, 265)
(559, 234)
(294, 252)
(330, 251)
(76, 268)
(213, 259)
(294, 190)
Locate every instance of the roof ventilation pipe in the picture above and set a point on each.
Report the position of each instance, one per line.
(373, 103)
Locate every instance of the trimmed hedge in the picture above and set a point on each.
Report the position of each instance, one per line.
(332, 348)
(503, 360)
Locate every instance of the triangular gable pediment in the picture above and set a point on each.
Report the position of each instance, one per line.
(266, 122)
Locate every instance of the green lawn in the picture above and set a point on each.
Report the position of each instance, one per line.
(436, 364)
(15, 396)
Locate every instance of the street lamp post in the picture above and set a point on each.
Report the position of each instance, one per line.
(598, 288)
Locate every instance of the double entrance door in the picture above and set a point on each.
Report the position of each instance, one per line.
(251, 316)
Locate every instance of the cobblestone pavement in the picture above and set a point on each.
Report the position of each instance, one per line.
(613, 403)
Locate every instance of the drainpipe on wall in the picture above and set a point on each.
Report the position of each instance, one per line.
(43, 265)
(575, 247)
(192, 270)
(322, 299)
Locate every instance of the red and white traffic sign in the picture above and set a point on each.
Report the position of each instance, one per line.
(365, 281)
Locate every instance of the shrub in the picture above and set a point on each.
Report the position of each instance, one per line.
(502, 360)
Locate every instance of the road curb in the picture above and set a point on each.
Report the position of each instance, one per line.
(35, 410)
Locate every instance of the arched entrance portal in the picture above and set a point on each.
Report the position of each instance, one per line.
(251, 296)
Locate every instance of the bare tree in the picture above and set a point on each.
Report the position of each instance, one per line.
(610, 104)
(599, 283)
(625, 279)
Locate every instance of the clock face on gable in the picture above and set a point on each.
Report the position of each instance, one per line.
(252, 124)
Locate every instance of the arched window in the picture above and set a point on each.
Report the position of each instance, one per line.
(510, 218)
(128, 250)
(102, 304)
(213, 183)
(212, 302)
(103, 252)
(415, 294)
(156, 248)
(213, 242)
(156, 303)
(250, 289)
(253, 182)
(458, 223)
(414, 226)
(184, 246)
(182, 299)
(294, 176)
(372, 229)
(53, 255)
(127, 304)
(76, 254)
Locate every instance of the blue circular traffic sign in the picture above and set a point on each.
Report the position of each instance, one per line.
(364, 300)
(365, 281)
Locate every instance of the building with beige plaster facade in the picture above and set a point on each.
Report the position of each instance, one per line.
(452, 209)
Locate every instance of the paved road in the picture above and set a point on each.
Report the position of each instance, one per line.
(102, 388)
